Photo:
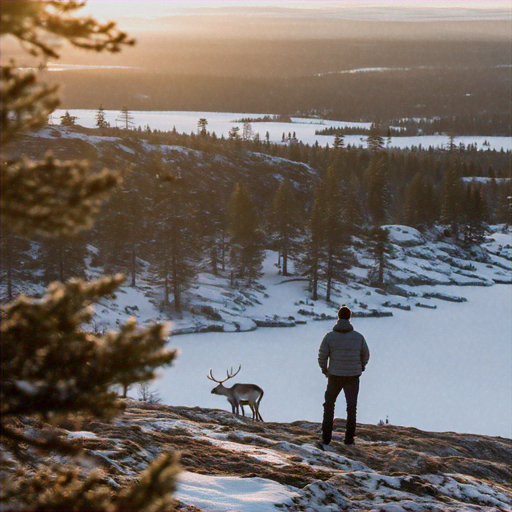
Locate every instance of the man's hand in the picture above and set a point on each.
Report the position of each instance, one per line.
(325, 372)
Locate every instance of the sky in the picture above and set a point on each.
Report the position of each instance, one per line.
(156, 8)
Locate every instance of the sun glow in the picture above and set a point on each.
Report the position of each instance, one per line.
(148, 9)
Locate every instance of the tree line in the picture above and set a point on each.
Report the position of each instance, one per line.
(491, 124)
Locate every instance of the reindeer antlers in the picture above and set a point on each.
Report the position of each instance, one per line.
(229, 374)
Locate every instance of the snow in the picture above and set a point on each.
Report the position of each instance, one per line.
(128, 301)
(404, 235)
(124, 148)
(483, 179)
(220, 493)
(222, 122)
(82, 435)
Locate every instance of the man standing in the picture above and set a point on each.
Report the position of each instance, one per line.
(343, 356)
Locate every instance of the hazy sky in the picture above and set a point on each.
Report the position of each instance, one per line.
(156, 8)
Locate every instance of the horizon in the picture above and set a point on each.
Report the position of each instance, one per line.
(394, 10)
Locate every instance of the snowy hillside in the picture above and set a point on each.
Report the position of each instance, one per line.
(231, 464)
(418, 263)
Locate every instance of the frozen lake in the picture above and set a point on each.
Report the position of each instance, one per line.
(222, 122)
(447, 369)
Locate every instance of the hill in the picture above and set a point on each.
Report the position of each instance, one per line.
(124, 241)
(233, 464)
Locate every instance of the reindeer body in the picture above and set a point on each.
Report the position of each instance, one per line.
(239, 395)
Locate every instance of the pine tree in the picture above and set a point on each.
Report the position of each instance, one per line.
(336, 239)
(326, 256)
(16, 264)
(176, 246)
(420, 202)
(311, 259)
(285, 222)
(51, 366)
(452, 200)
(379, 197)
(67, 119)
(375, 141)
(62, 258)
(125, 118)
(246, 237)
(475, 213)
(339, 142)
(247, 133)
(201, 126)
(452, 147)
(101, 122)
(380, 248)
(234, 133)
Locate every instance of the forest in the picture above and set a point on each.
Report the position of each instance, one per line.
(216, 204)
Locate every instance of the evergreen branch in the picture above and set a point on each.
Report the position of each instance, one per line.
(51, 197)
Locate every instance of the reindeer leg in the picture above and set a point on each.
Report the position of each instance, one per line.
(258, 415)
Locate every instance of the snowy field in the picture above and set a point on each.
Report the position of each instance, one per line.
(222, 122)
(447, 369)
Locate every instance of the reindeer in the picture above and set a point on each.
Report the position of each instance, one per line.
(239, 394)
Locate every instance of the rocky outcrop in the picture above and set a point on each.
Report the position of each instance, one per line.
(390, 468)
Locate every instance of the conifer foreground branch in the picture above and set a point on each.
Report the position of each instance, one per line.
(52, 367)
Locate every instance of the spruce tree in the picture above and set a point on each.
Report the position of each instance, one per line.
(380, 248)
(246, 242)
(125, 118)
(339, 142)
(475, 214)
(312, 256)
(453, 198)
(420, 202)
(379, 197)
(67, 119)
(375, 141)
(62, 258)
(285, 222)
(202, 123)
(101, 122)
(327, 250)
(16, 264)
(176, 248)
(52, 367)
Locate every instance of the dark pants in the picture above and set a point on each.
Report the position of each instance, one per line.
(350, 386)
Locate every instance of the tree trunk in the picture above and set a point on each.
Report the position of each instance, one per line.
(381, 267)
(223, 249)
(176, 292)
(215, 261)
(315, 284)
(133, 266)
(8, 261)
(61, 267)
(166, 282)
(285, 261)
(329, 279)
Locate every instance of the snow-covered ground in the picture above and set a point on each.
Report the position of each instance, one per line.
(447, 369)
(222, 122)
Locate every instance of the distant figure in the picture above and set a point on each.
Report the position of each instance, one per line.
(343, 356)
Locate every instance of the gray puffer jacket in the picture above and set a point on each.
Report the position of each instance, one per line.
(345, 349)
